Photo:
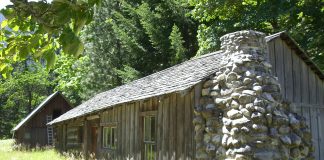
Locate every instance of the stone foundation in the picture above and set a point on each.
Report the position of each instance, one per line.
(241, 115)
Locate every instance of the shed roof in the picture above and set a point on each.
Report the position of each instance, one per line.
(176, 78)
(36, 110)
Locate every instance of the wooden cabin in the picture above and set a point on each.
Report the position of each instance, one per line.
(152, 117)
(32, 130)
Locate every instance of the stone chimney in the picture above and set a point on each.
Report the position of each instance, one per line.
(241, 115)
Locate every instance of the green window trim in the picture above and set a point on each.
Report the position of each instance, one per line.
(149, 137)
(109, 138)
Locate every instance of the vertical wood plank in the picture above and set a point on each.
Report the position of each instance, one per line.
(119, 133)
(127, 124)
(123, 124)
(272, 58)
(132, 133)
(193, 145)
(165, 140)
(321, 118)
(180, 127)
(187, 129)
(141, 130)
(305, 91)
(85, 138)
(197, 88)
(318, 118)
(99, 135)
(149, 106)
(160, 129)
(115, 114)
(154, 103)
(279, 51)
(173, 127)
(64, 137)
(288, 73)
(297, 81)
(137, 138)
(313, 112)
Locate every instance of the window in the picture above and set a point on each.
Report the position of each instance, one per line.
(150, 137)
(109, 137)
(56, 113)
(74, 135)
(27, 135)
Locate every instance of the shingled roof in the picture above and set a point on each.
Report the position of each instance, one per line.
(176, 78)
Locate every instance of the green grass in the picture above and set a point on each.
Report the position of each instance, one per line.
(7, 153)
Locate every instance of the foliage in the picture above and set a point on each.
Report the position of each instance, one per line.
(177, 46)
(129, 39)
(20, 94)
(69, 73)
(39, 29)
(7, 152)
(302, 19)
(127, 74)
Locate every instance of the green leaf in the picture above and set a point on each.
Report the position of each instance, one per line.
(23, 52)
(4, 23)
(71, 43)
(9, 13)
(16, 28)
(2, 66)
(50, 58)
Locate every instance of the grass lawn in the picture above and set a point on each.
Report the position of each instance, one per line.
(7, 153)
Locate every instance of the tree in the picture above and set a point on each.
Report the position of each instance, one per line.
(20, 94)
(302, 19)
(69, 74)
(177, 46)
(39, 29)
(130, 39)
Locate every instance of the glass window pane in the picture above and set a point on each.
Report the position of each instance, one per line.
(113, 137)
(109, 137)
(149, 137)
(152, 129)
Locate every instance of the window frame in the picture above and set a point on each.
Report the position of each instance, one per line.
(113, 137)
(77, 138)
(150, 144)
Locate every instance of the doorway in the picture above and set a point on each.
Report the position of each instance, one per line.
(94, 136)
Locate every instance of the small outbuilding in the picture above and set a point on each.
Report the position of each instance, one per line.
(32, 130)
(259, 97)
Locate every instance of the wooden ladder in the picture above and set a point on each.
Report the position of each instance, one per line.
(49, 118)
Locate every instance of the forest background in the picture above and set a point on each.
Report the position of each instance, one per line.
(84, 47)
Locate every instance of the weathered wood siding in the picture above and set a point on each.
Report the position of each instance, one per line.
(36, 126)
(174, 129)
(300, 85)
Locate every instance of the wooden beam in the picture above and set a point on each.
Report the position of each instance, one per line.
(305, 105)
(109, 124)
(148, 113)
(93, 117)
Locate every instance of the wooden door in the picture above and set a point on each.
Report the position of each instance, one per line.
(94, 136)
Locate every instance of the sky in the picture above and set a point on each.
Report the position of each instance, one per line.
(4, 3)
